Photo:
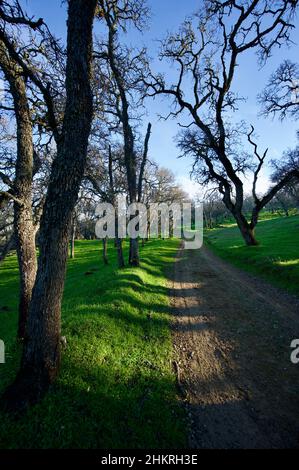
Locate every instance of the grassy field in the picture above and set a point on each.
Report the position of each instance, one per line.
(276, 259)
(116, 388)
(264, 215)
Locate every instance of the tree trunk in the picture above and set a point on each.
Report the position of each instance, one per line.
(41, 352)
(248, 232)
(120, 254)
(128, 134)
(26, 251)
(134, 260)
(249, 237)
(24, 229)
(72, 248)
(23, 220)
(105, 251)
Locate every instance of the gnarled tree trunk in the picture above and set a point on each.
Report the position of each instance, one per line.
(247, 229)
(248, 233)
(21, 189)
(41, 352)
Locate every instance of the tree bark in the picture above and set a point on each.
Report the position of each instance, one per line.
(144, 161)
(117, 241)
(23, 219)
(129, 139)
(236, 209)
(248, 234)
(26, 251)
(247, 230)
(120, 254)
(41, 352)
(24, 229)
(134, 259)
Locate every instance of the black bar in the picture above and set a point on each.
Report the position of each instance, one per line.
(139, 458)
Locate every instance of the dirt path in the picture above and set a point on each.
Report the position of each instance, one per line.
(232, 337)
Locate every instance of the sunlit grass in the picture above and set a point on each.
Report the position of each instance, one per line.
(275, 259)
(291, 262)
(116, 387)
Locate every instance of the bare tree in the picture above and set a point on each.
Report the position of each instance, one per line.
(206, 52)
(214, 211)
(282, 168)
(161, 187)
(20, 188)
(35, 58)
(104, 173)
(125, 72)
(41, 352)
(281, 95)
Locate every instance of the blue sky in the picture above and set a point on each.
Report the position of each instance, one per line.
(166, 16)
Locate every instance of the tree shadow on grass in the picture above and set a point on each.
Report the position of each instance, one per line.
(101, 407)
(116, 388)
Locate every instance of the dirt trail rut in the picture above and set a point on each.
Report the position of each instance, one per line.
(232, 336)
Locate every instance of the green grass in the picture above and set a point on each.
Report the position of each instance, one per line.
(116, 388)
(264, 215)
(276, 259)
